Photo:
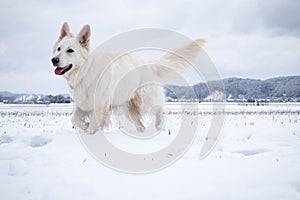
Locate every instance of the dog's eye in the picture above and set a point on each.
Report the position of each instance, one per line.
(58, 49)
(70, 50)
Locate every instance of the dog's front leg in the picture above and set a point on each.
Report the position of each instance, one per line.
(93, 125)
(98, 120)
(78, 118)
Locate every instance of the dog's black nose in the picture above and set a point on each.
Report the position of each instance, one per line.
(55, 60)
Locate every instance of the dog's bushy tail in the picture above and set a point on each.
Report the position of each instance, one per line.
(178, 62)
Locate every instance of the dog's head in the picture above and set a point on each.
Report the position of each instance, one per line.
(70, 52)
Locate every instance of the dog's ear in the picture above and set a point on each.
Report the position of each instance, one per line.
(65, 31)
(84, 36)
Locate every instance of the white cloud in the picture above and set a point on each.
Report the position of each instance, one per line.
(245, 38)
(255, 56)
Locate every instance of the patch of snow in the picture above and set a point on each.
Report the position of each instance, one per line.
(257, 157)
(5, 139)
(38, 141)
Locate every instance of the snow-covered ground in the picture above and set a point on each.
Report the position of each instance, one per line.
(257, 157)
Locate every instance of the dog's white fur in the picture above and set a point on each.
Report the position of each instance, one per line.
(92, 99)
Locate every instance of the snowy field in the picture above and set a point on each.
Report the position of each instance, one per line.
(257, 157)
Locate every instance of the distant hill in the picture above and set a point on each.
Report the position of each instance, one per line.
(271, 88)
(8, 94)
(280, 89)
(239, 89)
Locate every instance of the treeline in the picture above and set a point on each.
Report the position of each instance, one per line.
(34, 99)
(280, 89)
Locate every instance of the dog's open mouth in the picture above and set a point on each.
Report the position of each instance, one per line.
(62, 70)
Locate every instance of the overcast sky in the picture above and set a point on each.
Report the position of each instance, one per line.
(255, 39)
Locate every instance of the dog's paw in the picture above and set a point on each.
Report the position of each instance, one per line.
(160, 127)
(140, 129)
(82, 126)
(92, 130)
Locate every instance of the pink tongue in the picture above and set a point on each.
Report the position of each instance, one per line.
(59, 71)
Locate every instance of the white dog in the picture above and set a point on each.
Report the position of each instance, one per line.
(92, 98)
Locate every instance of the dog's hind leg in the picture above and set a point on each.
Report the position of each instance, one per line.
(134, 114)
(159, 117)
